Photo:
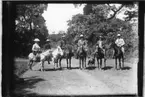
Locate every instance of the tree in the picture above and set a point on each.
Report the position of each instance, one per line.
(30, 24)
(101, 19)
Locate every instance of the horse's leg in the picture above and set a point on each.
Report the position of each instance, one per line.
(119, 63)
(105, 61)
(67, 63)
(85, 62)
(115, 63)
(41, 65)
(70, 62)
(30, 64)
(101, 63)
(60, 63)
(123, 61)
(98, 63)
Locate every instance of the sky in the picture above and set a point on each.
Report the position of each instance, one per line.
(57, 15)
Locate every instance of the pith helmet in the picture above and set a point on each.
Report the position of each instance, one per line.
(81, 35)
(118, 35)
(36, 40)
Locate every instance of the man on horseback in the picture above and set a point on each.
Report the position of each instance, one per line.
(36, 48)
(47, 46)
(63, 43)
(100, 45)
(81, 42)
(120, 43)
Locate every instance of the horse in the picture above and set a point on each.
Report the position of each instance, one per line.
(42, 57)
(99, 56)
(68, 53)
(82, 57)
(118, 54)
(57, 57)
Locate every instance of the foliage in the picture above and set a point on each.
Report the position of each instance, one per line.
(101, 19)
(30, 24)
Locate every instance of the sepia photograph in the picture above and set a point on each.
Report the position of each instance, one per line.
(71, 48)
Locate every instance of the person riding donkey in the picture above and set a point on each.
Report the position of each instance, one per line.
(36, 48)
(100, 45)
(120, 43)
(81, 42)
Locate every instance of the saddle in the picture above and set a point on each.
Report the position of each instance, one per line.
(37, 58)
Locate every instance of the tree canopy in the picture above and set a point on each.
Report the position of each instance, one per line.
(30, 24)
(101, 19)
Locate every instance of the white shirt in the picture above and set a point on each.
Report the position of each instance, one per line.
(35, 47)
(119, 42)
(100, 43)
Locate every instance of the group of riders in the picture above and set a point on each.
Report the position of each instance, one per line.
(81, 42)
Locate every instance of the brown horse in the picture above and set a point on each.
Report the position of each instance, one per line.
(118, 55)
(100, 55)
(68, 53)
(82, 57)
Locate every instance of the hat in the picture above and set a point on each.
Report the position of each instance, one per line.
(47, 40)
(100, 36)
(118, 35)
(63, 36)
(36, 39)
(81, 35)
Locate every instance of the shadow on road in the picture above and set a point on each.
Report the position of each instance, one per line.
(107, 67)
(126, 68)
(91, 67)
(28, 83)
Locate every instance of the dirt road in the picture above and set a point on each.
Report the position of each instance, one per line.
(79, 82)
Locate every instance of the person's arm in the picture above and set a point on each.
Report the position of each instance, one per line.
(78, 43)
(116, 41)
(33, 47)
(123, 42)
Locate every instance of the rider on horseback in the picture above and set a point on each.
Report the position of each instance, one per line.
(36, 47)
(47, 46)
(81, 42)
(120, 43)
(63, 43)
(100, 45)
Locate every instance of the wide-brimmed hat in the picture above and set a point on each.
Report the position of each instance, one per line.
(36, 40)
(47, 40)
(100, 36)
(118, 35)
(63, 36)
(81, 35)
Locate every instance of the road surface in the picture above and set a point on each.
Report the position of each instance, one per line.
(79, 82)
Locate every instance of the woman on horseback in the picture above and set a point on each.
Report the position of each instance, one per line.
(120, 43)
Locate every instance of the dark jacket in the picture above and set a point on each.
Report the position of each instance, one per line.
(47, 46)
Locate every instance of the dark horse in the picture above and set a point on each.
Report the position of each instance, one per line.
(68, 53)
(100, 55)
(118, 54)
(82, 57)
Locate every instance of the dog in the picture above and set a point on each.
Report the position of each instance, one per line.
(91, 61)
